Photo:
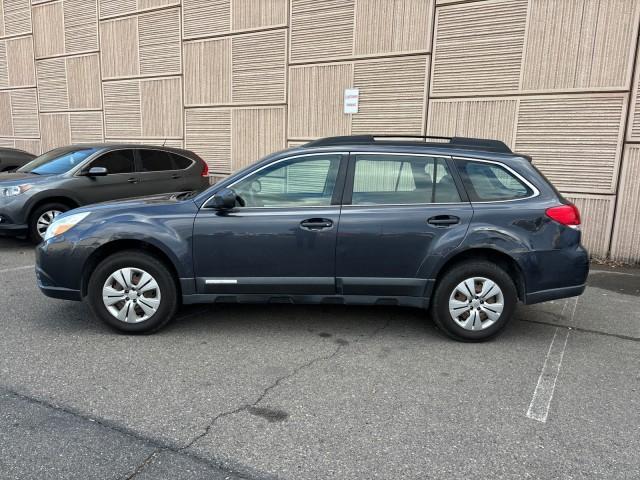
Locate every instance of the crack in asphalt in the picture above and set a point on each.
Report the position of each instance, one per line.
(144, 464)
(278, 381)
(261, 397)
(113, 426)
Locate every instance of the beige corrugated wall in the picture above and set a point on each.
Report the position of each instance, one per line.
(236, 79)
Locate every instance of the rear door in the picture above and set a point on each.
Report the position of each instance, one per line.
(158, 173)
(120, 182)
(400, 213)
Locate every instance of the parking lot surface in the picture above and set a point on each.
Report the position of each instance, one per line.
(318, 392)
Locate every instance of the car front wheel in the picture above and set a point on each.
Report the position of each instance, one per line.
(474, 301)
(133, 292)
(42, 217)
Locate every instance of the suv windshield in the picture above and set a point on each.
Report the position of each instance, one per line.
(57, 161)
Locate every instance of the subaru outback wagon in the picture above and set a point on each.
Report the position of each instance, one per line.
(464, 227)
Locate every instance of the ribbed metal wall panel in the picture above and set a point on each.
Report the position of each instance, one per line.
(391, 95)
(580, 44)
(576, 140)
(596, 212)
(316, 100)
(478, 48)
(625, 245)
(483, 118)
(321, 30)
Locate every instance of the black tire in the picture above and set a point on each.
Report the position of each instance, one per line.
(448, 283)
(138, 260)
(34, 235)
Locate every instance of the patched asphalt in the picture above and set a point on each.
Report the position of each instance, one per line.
(315, 392)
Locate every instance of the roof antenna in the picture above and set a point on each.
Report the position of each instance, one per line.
(165, 141)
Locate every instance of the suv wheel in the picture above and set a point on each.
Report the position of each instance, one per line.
(133, 292)
(42, 217)
(474, 301)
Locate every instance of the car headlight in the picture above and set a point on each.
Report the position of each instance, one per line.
(14, 190)
(64, 224)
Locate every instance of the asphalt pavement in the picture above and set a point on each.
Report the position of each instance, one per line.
(318, 392)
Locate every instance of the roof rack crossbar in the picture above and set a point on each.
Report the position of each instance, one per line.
(453, 142)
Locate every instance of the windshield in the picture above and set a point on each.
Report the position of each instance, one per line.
(57, 161)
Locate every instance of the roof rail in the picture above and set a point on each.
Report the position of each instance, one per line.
(453, 142)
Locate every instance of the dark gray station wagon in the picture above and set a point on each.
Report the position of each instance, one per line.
(68, 177)
(466, 228)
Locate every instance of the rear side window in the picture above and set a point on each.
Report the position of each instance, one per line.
(180, 162)
(402, 179)
(155, 161)
(488, 182)
(118, 161)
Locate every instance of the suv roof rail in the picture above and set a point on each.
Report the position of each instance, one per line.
(434, 141)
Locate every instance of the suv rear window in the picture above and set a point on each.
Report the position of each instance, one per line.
(488, 182)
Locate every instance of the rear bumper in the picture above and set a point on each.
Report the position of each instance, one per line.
(554, 294)
(554, 274)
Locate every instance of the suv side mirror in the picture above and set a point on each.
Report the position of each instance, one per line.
(97, 172)
(224, 199)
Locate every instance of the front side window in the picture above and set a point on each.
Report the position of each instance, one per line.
(488, 182)
(297, 182)
(402, 179)
(118, 161)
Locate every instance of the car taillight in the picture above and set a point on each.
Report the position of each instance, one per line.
(205, 169)
(568, 215)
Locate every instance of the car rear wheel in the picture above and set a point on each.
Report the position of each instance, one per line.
(133, 292)
(42, 217)
(474, 301)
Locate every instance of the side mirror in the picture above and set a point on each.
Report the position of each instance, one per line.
(97, 172)
(225, 199)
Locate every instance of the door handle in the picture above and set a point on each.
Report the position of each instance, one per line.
(133, 180)
(316, 223)
(175, 176)
(443, 220)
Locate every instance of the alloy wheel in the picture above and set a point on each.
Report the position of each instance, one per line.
(131, 295)
(476, 303)
(45, 220)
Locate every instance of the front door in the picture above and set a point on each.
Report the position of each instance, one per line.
(121, 181)
(401, 212)
(283, 240)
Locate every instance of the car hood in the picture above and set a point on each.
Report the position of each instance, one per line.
(134, 204)
(8, 179)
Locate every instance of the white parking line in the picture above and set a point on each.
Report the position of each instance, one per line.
(543, 394)
(15, 269)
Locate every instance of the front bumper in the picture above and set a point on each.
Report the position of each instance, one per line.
(59, 269)
(46, 286)
(13, 229)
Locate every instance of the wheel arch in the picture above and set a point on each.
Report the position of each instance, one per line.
(63, 199)
(121, 245)
(499, 257)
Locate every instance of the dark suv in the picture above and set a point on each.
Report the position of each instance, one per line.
(68, 177)
(466, 228)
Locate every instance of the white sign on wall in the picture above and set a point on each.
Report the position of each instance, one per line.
(351, 99)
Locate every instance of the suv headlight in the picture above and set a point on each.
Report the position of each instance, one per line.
(64, 224)
(14, 190)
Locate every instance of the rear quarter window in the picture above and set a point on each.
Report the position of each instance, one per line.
(489, 182)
